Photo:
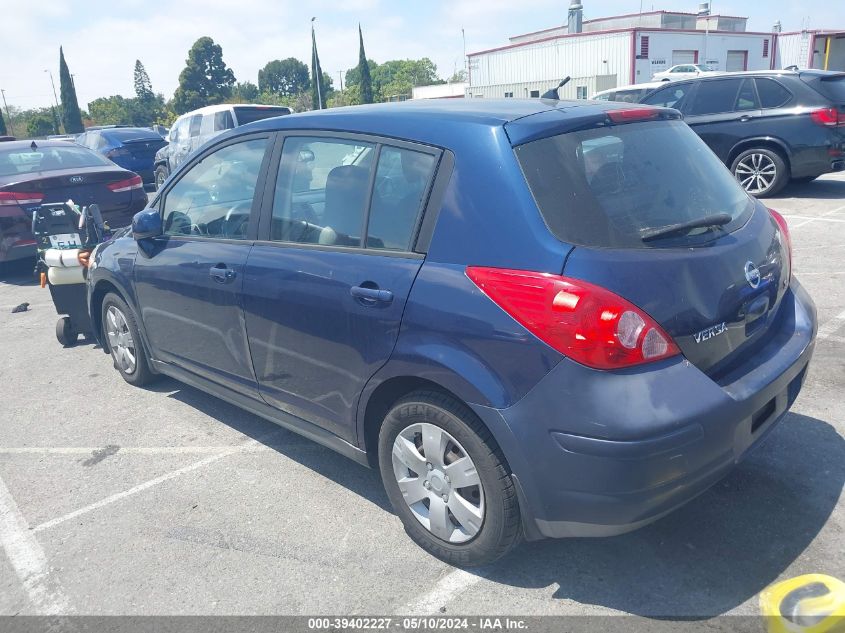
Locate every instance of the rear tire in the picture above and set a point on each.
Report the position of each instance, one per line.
(477, 522)
(760, 171)
(120, 332)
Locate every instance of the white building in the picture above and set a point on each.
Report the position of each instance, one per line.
(440, 91)
(820, 49)
(607, 52)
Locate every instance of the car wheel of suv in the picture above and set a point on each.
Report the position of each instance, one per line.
(124, 341)
(160, 176)
(447, 480)
(761, 172)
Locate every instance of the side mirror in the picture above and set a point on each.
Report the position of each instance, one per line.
(146, 224)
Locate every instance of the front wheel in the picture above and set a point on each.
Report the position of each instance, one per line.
(124, 341)
(65, 333)
(761, 172)
(160, 176)
(447, 480)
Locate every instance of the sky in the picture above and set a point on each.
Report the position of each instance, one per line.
(103, 38)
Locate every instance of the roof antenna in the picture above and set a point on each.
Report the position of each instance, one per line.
(33, 146)
(553, 93)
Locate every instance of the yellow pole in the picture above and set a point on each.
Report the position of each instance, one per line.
(826, 51)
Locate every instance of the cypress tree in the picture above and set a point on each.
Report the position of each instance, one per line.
(3, 131)
(364, 70)
(71, 117)
(318, 84)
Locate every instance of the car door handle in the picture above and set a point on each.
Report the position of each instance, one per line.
(745, 117)
(368, 295)
(221, 274)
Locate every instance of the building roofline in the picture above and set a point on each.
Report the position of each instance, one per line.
(815, 32)
(626, 15)
(629, 29)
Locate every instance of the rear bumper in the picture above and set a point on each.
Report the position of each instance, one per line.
(602, 453)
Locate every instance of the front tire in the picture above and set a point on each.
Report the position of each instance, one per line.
(161, 175)
(448, 480)
(124, 340)
(65, 333)
(760, 171)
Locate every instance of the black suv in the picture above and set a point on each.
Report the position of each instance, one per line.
(768, 127)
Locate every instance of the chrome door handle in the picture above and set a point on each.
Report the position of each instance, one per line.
(371, 295)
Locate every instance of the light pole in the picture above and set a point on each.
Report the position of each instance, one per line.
(318, 72)
(8, 115)
(56, 123)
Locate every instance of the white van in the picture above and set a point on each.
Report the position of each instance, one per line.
(191, 130)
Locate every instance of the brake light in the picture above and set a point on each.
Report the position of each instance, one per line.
(12, 198)
(126, 185)
(829, 117)
(632, 115)
(585, 322)
(787, 238)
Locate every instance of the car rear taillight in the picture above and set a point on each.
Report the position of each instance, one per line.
(126, 185)
(787, 238)
(11, 198)
(633, 115)
(585, 322)
(829, 117)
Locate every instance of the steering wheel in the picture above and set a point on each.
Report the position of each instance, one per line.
(237, 217)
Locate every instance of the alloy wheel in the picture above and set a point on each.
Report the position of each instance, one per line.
(439, 482)
(756, 173)
(120, 339)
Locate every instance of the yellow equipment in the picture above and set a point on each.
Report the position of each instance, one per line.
(812, 603)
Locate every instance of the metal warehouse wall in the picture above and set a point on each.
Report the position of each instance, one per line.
(539, 66)
(662, 44)
(793, 50)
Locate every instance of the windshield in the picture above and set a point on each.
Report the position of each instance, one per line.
(26, 160)
(132, 133)
(615, 186)
(248, 115)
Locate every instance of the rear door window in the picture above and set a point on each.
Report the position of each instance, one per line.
(772, 94)
(672, 96)
(715, 97)
(747, 97)
(614, 186)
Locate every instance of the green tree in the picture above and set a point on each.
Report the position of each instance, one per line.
(114, 110)
(318, 86)
(205, 80)
(366, 86)
(244, 92)
(284, 76)
(143, 85)
(39, 125)
(399, 76)
(71, 117)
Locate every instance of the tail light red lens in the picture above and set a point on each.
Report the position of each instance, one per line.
(585, 322)
(787, 238)
(17, 198)
(126, 185)
(829, 117)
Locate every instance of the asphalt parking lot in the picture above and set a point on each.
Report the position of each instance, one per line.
(118, 500)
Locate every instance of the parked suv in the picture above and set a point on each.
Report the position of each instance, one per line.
(533, 317)
(191, 130)
(767, 127)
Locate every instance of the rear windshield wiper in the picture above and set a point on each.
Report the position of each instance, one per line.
(719, 219)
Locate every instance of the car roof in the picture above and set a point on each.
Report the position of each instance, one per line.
(766, 73)
(645, 85)
(443, 122)
(220, 107)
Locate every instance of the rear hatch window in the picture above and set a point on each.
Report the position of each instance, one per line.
(830, 86)
(249, 114)
(633, 186)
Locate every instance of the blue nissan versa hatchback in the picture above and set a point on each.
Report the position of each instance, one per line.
(536, 318)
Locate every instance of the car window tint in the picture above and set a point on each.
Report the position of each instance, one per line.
(772, 94)
(322, 191)
(672, 96)
(402, 179)
(223, 121)
(747, 97)
(214, 198)
(196, 122)
(715, 97)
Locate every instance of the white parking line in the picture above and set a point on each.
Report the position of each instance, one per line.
(123, 450)
(447, 588)
(241, 448)
(829, 328)
(28, 559)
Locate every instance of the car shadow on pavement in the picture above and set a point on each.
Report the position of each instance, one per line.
(822, 189)
(18, 272)
(713, 554)
(700, 561)
(324, 461)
